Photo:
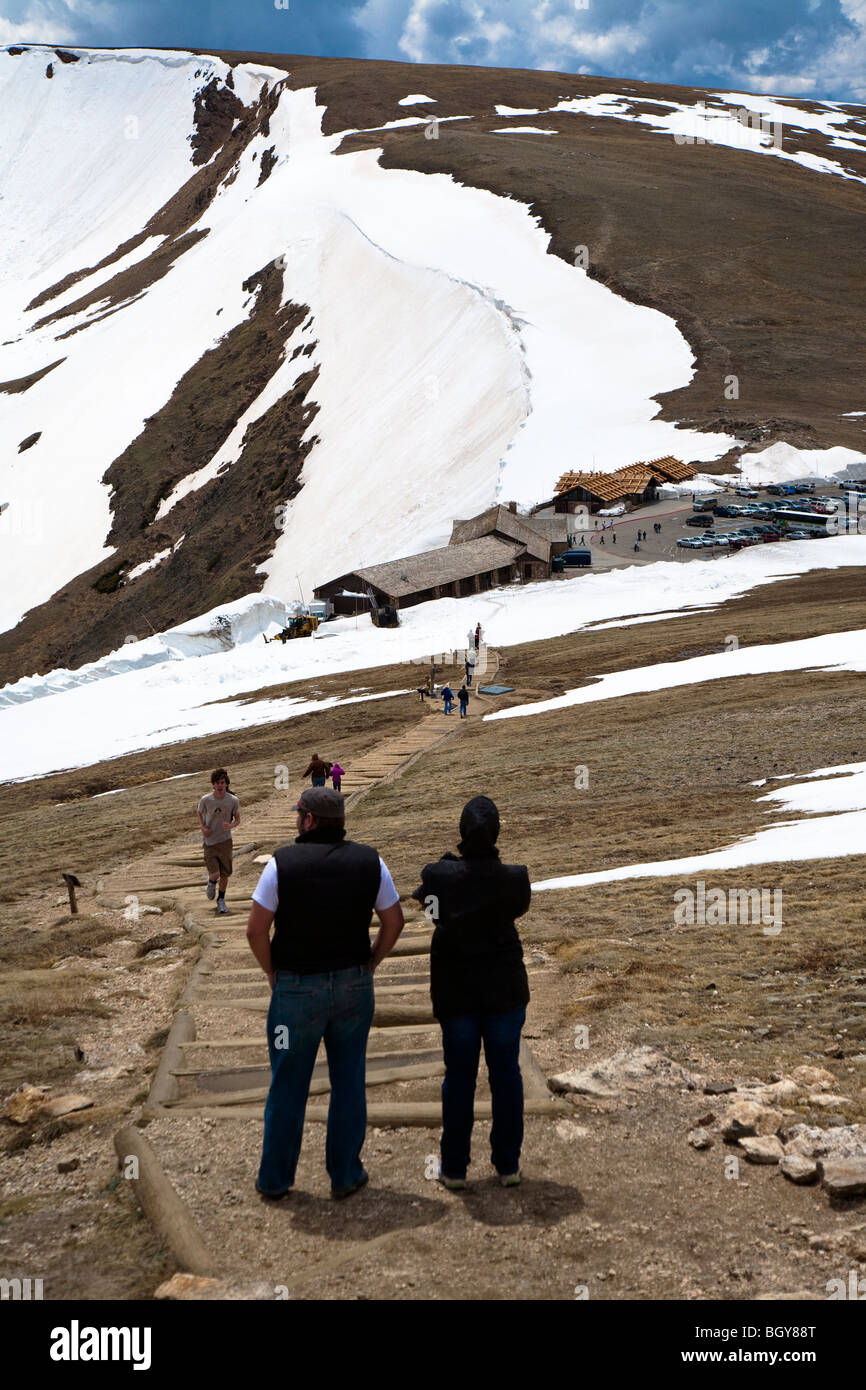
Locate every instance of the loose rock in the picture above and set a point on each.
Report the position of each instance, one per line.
(25, 1104)
(747, 1117)
(798, 1169)
(699, 1139)
(814, 1077)
(195, 1288)
(65, 1105)
(844, 1177)
(762, 1148)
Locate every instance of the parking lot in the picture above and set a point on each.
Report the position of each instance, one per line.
(705, 526)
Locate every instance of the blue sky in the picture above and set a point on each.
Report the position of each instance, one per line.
(813, 48)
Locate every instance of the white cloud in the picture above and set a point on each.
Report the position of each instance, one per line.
(54, 21)
(788, 46)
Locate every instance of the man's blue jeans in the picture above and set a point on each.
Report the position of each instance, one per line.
(462, 1037)
(305, 1009)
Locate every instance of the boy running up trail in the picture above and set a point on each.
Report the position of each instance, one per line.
(218, 814)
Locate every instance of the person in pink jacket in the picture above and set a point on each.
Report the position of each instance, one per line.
(337, 774)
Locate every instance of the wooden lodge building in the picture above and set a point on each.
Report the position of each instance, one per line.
(495, 548)
(633, 486)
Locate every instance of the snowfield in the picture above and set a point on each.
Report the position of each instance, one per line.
(164, 689)
(839, 833)
(452, 348)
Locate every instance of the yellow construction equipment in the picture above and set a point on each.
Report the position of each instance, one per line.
(303, 625)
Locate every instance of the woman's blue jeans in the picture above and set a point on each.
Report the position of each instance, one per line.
(462, 1037)
(304, 1010)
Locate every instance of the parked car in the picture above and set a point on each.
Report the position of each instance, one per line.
(745, 492)
(705, 504)
(697, 520)
(725, 509)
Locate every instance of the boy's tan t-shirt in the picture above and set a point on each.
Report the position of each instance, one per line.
(216, 815)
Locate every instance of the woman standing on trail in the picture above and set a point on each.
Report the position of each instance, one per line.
(479, 989)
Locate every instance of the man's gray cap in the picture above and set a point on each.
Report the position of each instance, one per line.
(322, 801)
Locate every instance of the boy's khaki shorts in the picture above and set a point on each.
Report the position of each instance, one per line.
(218, 858)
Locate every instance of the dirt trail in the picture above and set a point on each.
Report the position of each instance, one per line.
(215, 1068)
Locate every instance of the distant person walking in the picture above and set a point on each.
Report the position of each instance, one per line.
(636, 546)
(318, 771)
(337, 775)
(447, 695)
(477, 636)
(479, 989)
(218, 814)
(470, 667)
(613, 537)
(463, 699)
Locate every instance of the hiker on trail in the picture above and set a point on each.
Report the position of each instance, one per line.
(479, 989)
(463, 698)
(636, 546)
(447, 695)
(218, 814)
(602, 537)
(337, 775)
(477, 636)
(318, 771)
(320, 894)
(470, 666)
(613, 537)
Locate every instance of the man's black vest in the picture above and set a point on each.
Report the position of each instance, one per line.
(327, 887)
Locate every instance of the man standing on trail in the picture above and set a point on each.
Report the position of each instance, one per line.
(470, 666)
(477, 636)
(447, 695)
(218, 814)
(320, 893)
(318, 771)
(463, 697)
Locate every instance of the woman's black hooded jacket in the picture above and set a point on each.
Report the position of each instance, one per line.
(476, 960)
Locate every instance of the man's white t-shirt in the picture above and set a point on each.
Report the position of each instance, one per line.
(267, 896)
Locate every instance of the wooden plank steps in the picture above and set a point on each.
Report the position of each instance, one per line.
(319, 1085)
(227, 1075)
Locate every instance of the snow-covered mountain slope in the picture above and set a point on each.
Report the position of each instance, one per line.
(243, 350)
